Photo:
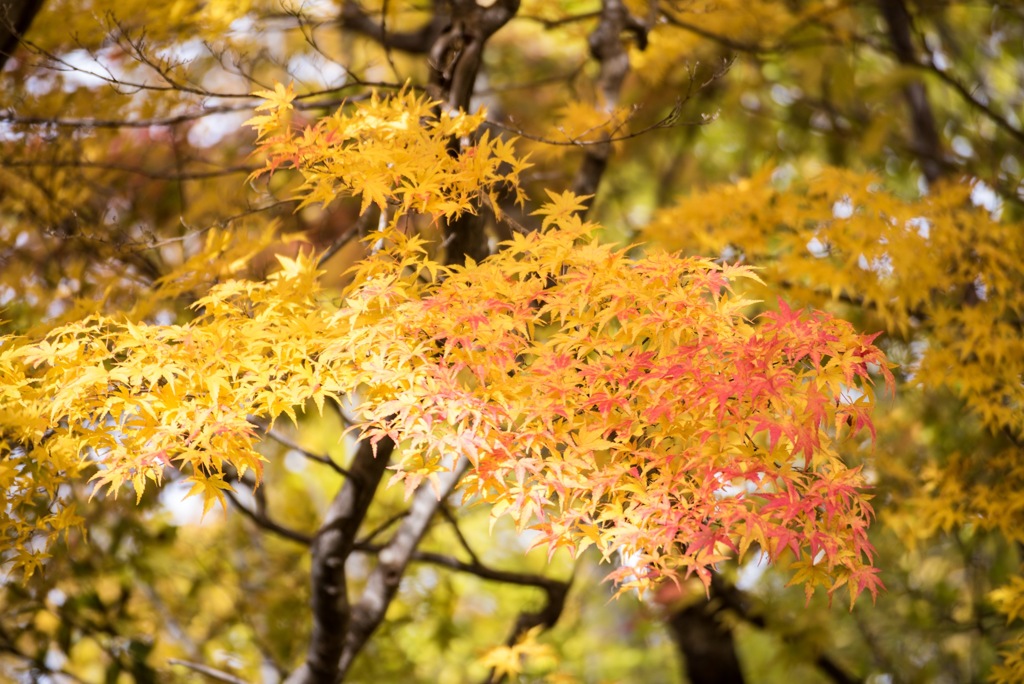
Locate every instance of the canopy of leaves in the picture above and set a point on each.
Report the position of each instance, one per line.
(818, 171)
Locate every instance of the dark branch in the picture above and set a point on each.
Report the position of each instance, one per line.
(295, 446)
(447, 514)
(732, 598)
(15, 18)
(416, 42)
(331, 548)
(455, 59)
(785, 42)
(393, 558)
(358, 229)
(555, 594)
(606, 46)
(124, 168)
(476, 569)
(264, 521)
(366, 543)
(925, 131)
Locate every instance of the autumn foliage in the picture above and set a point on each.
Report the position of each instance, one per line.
(730, 291)
(635, 404)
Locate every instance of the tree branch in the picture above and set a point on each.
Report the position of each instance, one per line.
(455, 58)
(358, 229)
(292, 444)
(555, 593)
(736, 600)
(212, 673)
(782, 44)
(15, 18)
(416, 42)
(393, 558)
(476, 569)
(447, 514)
(264, 521)
(925, 132)
(607, 48)
(331, 547)
(124, 168)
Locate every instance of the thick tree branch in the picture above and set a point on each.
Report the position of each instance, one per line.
(457, 52)
(416, 42)
(331, 548)
(606, 46)
(15, 18)
(455, 58)
(555, 591)
(731, 598)
(393, 558)
(927, 143)
(706, 642)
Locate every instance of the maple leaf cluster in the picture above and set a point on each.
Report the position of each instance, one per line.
(393, 152)
(634, 404)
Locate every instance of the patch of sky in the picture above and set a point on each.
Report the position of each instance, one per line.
(850, 395)
(313, 9)
(921, 225)
(980, 289)
(82, 69)
(817, 248)
(784, 96)
(39, 84)
(210, 130)
(982, 195)
(783, 176)
(294, 461)
(164, 317)
(184, 511)
(185, 51)
(317, 71)
(751, 572)
(962, 146)
(7, 295)
(842, 209)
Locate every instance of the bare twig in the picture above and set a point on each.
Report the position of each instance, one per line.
(358, 229)
(367, 542)
(785, 42)
(295, 446)
(212, 673)
(447, 514)
(261, 518)
(124, 168)
(477, 569)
